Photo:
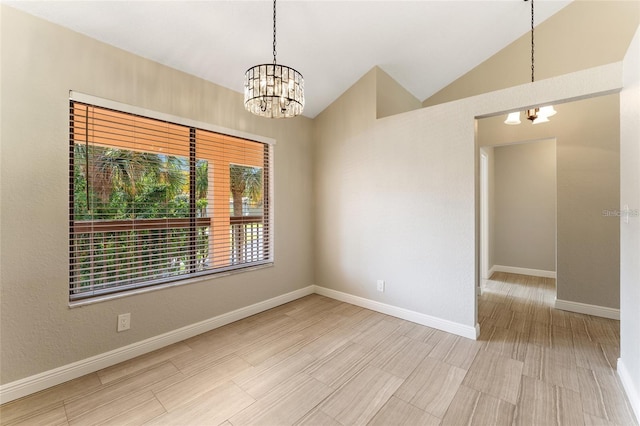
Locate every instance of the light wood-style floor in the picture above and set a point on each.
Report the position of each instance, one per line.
(317, 361)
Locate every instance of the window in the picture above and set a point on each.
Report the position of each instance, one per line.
(152, 202)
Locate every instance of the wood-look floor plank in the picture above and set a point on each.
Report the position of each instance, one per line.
(603, 331)
(543, 404)
(540, 334)
(590, 420)
(561, 338)
(54, 417)
(521, 323)
(317, 417)
(398, 412)
(213, 339)
(503, 317)
(205, 354)
(533, 361)
(578, 325)
(541, 314)
(611, 353)
(211, 408)
(136, 409)
(419, 332)
(590, 355)
(470, 407)
(48, 399)
(487, 309)
(329, 342)
(363, 320)
(286, 404)
(126, 368)
(560, 318)
(432, 386)
(603, 397)
(322, 325)
(312, 305)
(258, 352)
(258, 381)
(457, 351)
(342, 364)
(399, 355)
(373, 335)
(506, 342)
(346, 309)
(435, 337)
(192, 387)
(262, 323)
(559, 369)
(139, 415)
(135, 384)
(361, 398)
(495, 375)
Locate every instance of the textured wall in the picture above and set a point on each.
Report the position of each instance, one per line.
(396, 198)
(41, 62)
(525, 205)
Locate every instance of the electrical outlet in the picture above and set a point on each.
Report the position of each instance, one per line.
(381, 285)
(124, 322)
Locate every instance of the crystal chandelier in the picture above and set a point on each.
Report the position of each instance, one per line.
(273, 90)
(535, 115)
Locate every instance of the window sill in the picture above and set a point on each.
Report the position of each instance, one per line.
(108, 297)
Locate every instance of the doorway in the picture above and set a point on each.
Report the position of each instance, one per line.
(587, 155)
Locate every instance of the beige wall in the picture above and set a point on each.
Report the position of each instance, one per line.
(629, 363)
(391, 97)
(582, 35)
(396, 198)
(588, 174)
(525, 205)
(41, 62)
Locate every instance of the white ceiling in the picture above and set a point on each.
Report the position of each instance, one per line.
(424, 45)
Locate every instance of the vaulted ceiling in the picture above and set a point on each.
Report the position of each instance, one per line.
(424, 45)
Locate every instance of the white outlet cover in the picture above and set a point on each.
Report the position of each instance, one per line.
(124, 322)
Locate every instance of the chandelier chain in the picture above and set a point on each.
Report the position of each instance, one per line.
(532, 46)
(274, 32)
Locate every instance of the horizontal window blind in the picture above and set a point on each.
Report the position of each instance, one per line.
(153, 202)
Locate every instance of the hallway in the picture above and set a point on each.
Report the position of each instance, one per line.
(568, 359)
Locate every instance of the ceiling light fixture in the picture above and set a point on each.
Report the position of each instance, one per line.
(535, 115)
(273, 90)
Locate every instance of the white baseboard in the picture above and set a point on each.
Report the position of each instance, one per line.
(633, 393)
(522, 271)
(417, 317)
(583, 308)
(490, 272)
(38, 382)
(47, 379)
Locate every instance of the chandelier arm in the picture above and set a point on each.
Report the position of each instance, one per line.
(532, 46)
(274, 32)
